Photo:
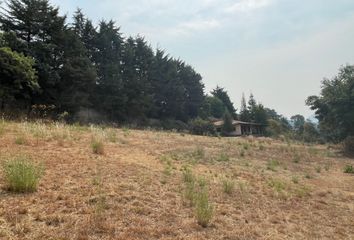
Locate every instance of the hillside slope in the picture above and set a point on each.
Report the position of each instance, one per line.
(135, 189)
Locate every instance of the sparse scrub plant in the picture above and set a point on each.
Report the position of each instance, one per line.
(21, 174)
(20, 140)
(223, 157)
(228, 186)
(199, 153)
(188, 175)
(349, 169)
(295, 179)
(272, 165)
(97, 146)
(203, 208)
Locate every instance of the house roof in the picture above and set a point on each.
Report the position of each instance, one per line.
(235, 122)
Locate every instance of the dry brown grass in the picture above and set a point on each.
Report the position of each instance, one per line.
(136, 189)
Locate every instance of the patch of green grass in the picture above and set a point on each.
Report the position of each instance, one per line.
(20, 140)
(277, 184)
(203, 208)
(223, 157)
(349, 169)
(228, 186)
(97, 146)
(272, 165)
(188, 175)
(21, 174)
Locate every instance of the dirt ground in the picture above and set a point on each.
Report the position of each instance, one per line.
(135, 189)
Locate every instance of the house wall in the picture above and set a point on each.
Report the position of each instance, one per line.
(238, 130)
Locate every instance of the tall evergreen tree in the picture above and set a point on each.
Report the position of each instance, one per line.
(78, 75)
(244, 112)
(110, 97)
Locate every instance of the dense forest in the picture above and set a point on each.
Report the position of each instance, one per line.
(73, 70)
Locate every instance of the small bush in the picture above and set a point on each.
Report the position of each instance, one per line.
(204, 209)
(22, 175)
(97, 146)
(349, 169)
(202, 127)
(223, 157)
(228, 186)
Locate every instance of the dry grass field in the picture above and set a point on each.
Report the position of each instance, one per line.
(129, 184)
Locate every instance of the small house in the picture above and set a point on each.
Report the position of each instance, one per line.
(241, 128)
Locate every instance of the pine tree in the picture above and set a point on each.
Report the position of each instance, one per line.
(244, 113)
(227, 126)
(78, 75)
(110, 95)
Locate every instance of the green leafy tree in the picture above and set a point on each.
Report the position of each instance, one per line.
(298, 122)
(334, 107)
(18, 78)
(40, 28)
(212, 107)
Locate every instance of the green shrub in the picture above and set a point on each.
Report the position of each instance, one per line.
(97, 146)
(228, 186)
(203, 208)
(349, 169)
(202, 127)
(22, 175)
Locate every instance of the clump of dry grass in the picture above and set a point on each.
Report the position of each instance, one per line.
(228, 186)
(21, 174)
(203, 208)
(97, 146)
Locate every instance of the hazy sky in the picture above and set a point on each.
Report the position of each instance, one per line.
(279, 50)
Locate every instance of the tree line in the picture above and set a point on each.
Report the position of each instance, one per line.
(77, 65)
